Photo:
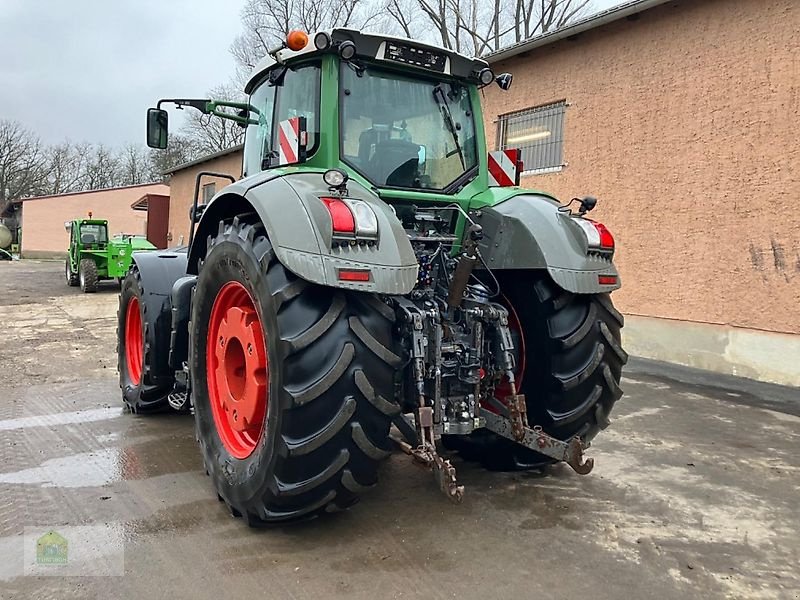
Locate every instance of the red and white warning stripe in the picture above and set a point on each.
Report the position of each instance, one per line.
(289, 141)
(504, 167)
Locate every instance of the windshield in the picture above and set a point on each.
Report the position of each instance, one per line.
(410, 133)
(93, 234)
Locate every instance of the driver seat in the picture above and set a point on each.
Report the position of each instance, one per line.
(396, 162)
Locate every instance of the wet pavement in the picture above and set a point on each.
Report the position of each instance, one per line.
(694, 494)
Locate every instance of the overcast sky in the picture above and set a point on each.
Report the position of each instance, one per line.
(88, 69)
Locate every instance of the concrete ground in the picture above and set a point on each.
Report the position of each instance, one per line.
(694, 494)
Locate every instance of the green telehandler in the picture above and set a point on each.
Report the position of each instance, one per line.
(93, 257)
(376, 279)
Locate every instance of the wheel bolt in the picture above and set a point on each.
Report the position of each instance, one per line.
(249, 348)
(235, 416)
(221, 341)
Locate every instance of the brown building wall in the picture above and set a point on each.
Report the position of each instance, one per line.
(181, 186)
(43, 233)
(684, 123)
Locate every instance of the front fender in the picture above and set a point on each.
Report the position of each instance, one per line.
(528, 231)
(299, 228)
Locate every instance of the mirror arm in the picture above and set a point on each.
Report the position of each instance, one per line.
(214, 106)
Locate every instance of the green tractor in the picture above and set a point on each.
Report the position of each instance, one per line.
(375, 280)
(93, 257)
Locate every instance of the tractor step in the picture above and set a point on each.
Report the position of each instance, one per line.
(178, 400)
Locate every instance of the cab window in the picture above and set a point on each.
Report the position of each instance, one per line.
(295, 93)
(93, 234)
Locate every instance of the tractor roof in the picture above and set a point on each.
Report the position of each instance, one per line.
(391, 50)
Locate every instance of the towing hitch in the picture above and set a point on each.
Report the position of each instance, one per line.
(570, 452)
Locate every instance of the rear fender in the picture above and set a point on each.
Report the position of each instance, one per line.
(158, 272)
(528, 231)
(299, 228)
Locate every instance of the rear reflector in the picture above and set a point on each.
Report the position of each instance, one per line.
(352, 275)
(607, 279)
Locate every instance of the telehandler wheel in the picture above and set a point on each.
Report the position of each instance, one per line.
(570, 368)
(87, 275)
(292, 382)
(72, 278)
(142, 392)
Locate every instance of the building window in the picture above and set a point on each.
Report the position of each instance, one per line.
(538, 133)
(209, 190)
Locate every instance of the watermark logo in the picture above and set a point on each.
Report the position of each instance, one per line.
(51, 549)
(79, 550)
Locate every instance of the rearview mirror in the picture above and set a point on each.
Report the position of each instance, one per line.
(157, 126)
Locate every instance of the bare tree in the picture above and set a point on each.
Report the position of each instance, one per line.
(21, 162)
(467, 26)
(102, 168)
(65, 166)
(180, 149)
(266, 22)
(480, 26)
(133, 165)
(212, 134)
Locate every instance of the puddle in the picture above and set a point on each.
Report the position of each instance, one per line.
(63, 418)
(88, 469)
(104, 466)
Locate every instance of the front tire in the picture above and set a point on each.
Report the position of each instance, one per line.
(71, 277)
(573, 361)
(320, 390)
(87, 275)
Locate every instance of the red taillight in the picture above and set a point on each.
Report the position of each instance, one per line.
(352, 275)
(341, 216)
(606, 239)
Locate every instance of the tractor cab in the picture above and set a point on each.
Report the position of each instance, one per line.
(394, 114)
(93, 234)
(88, 234)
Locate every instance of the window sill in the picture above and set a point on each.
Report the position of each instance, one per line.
(542, 171)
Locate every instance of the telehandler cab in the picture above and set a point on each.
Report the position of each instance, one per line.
(371, 269)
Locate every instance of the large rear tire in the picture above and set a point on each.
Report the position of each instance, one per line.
(87, 275)
(573, 363)
(292, 383)
(137, 349)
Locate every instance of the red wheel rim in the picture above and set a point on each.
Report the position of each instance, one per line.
(134, 341)
(237, 370)
(504, 389)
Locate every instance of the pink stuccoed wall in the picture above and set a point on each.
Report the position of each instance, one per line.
(43, 233)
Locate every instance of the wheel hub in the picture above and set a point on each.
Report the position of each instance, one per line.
(237, 370)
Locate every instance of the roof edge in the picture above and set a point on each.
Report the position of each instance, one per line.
(599, 19)
(111, 189)
(202, 159)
